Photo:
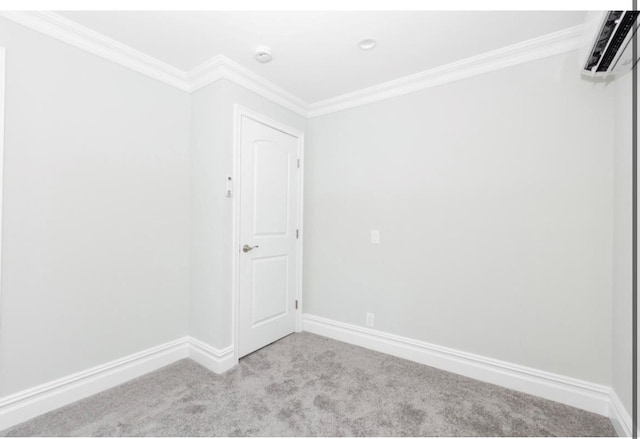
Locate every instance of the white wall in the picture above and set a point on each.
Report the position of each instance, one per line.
(209, 244)
(96, 211)
(212, 163)
(493, 196)
(622, 250)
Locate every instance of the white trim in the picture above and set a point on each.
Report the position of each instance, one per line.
(220, 67)
(24, 405)
(70, 32)
(216, 360)
(238, 112)
(529, 50)
(35, 401)
(577, 393)
(620, 418)
(235, 231)
(300, 271)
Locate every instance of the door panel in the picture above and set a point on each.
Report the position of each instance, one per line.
(271, 188)
(270, 293)
(268, 215)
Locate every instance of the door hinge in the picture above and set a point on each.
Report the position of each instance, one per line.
(298, 163)
(296, 304)
(297, 234)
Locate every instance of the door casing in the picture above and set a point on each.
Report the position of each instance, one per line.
(239, 113)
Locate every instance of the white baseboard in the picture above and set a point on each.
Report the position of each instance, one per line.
(35, 401)
(216, 360)
(620, 418)
(24, 405)
(584, 395)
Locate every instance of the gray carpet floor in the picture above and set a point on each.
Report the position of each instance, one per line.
(306, 385)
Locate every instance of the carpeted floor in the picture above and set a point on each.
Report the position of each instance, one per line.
(306, 385)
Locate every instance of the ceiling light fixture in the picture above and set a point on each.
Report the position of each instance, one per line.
(367, 44)
(263, 54)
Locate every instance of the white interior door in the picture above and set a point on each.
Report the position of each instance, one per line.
(268, 241)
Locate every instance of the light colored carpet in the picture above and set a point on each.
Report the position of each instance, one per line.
(306, 385)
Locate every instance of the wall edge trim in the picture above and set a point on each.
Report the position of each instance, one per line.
(21, 406)
(620, 418)
(216, 360)
(221, 67)
(533, 49)
(574, 392)
(72, 33)
(24, 405)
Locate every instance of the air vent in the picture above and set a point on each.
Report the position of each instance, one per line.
(610, 43)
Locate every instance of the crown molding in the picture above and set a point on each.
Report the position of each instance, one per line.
(70, 32)
(541, 47)
(221, 67)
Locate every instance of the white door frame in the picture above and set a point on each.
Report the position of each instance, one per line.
(239, 112)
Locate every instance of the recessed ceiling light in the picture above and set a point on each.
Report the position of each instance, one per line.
(367, 44)
(263, 54)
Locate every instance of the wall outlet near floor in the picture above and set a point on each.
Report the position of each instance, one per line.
(370, 317)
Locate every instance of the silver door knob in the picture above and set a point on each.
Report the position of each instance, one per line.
(246, 248)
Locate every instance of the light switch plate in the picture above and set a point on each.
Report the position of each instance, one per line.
(370, 319)
(375, 237)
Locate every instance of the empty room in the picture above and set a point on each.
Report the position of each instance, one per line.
(393, 219)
